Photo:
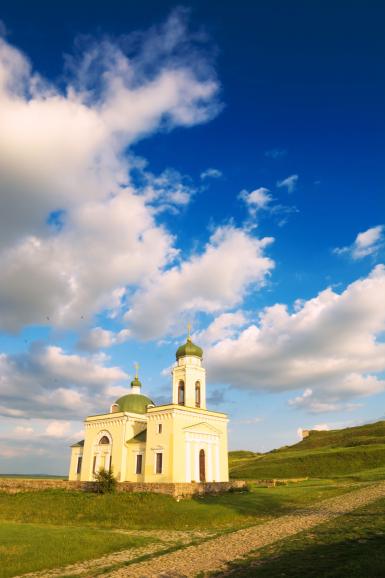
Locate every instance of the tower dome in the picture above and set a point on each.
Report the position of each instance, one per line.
(189, 348)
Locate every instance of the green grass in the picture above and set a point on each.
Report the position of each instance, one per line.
(352, 545)
(323, 454)
(31, 547)
(131, 511)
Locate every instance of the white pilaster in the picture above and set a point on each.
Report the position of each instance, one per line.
(197, 463)
(217, 470)
(209, 463)
(188, 462)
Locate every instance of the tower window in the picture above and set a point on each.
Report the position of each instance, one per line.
(181, 393)
(197, 394)
(139, 463)
(104, 441)
(94, 465)
(79, 465)
(159, 463)
(160, 428)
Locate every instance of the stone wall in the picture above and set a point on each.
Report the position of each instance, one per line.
(175, 490)
(15, 485)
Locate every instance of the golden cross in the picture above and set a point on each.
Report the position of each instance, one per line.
(188, 330)
(136, 365)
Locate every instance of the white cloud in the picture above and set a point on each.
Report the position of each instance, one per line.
(58, 429)
(327, 346)
(289, 183)
(261, 200)
(256, 200)
(46, 382)
(212, 282)
(366, 243)
(223, 326)
(68, 206)
(211, 173)
(99, 338)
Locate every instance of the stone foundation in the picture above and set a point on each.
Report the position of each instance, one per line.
(15, 485)
(175, 490)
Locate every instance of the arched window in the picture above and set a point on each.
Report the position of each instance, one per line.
(181, 393)
(104, 441)
(197, 394)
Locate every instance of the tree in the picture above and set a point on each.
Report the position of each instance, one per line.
(105, 481)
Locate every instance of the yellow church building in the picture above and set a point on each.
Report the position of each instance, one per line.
(175, 443)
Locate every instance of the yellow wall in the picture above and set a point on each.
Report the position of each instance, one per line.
(186, 430)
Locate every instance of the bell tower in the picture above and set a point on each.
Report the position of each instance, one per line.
(188, 376)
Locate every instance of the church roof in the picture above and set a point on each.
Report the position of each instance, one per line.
(78, 444)
(189, 348)
(140, 437)
(134, 403)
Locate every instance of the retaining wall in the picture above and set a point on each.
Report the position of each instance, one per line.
(15, 485)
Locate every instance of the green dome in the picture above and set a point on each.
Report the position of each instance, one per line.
(134, 403)
(135, 382)
(189, 348)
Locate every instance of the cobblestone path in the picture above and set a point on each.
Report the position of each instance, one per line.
(214, 554)
(164, 539)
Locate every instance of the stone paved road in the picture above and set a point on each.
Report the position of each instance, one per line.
(214, 554)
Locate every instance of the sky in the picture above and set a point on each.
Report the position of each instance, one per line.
(165, 163)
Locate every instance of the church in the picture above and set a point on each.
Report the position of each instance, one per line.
(179, 442)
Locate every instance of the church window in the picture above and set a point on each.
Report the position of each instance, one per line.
(79, 465)
(181, 393)
(159, 463)
(197, 394)
(139, 463)
(94, 465)
(160, 427)
(104, 440)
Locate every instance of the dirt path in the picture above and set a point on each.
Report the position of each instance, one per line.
(214, 554)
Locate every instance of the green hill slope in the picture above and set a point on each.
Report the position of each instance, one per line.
(323, 454)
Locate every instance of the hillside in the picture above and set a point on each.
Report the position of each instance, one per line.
(323, 454)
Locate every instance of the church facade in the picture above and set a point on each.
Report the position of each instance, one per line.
(180, 442)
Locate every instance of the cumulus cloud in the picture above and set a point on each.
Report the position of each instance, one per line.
(289, 183)
(69, 207)
(212, 281)
(46, 382)
(367, 243)
(256, 200)
(329, 346)
(223, 326)
(99, 338)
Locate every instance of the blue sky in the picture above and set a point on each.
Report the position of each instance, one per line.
(162, 163)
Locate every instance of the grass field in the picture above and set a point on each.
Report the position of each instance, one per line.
(40, 530)
(352, 545)
(323, 454)
(28, 547)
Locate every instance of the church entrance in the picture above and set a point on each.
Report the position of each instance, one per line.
(202, 466)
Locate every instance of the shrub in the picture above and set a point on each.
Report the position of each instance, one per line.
(105, 481)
